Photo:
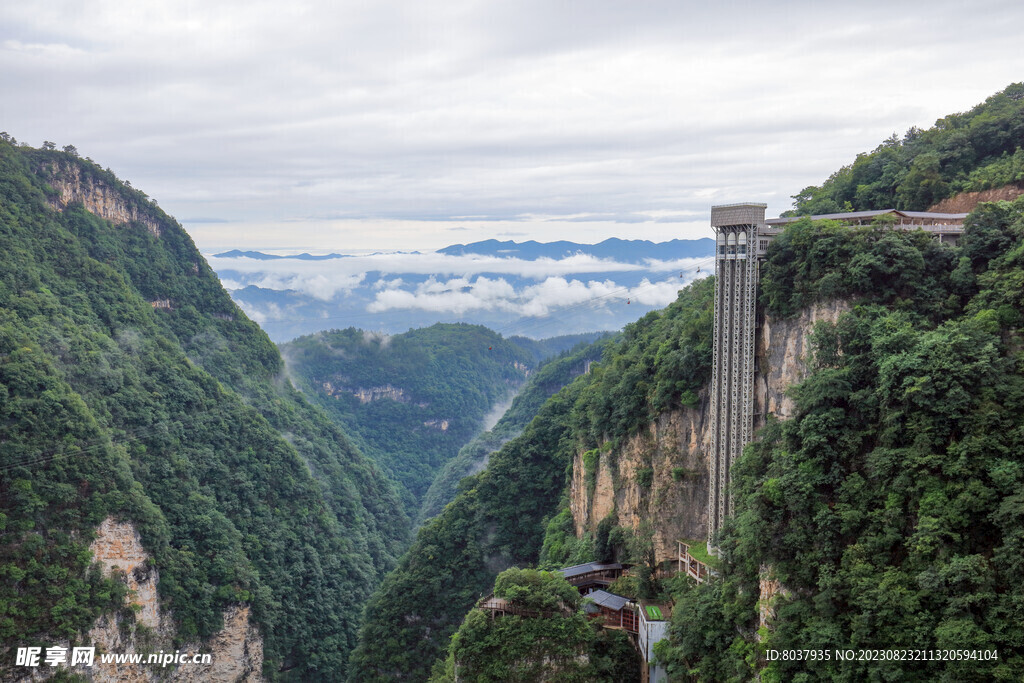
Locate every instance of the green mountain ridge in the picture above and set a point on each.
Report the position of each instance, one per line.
(976, 150)
(411, 401)
(132, 387)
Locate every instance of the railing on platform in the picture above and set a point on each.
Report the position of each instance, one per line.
(501, 607)
(608, 575)
(691, 565)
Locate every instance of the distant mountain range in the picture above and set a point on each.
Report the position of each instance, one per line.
(260, 256)
(530, 288)
(630, 251)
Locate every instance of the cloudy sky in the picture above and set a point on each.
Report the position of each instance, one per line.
(385, 124)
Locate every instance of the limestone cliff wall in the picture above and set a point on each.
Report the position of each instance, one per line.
(367, 395)
(675, 447)
(75, 185)
(671, 455)
(236, 650)
(783, 347)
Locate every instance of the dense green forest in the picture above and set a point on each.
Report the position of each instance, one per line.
(433, 385)
(976, 150)
(411, 401)
(176, 417)
(890, 507)
(500, 515)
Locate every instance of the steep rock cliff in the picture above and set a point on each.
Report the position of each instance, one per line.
(142, 628)
(74, 185)
(783, 346)
(659, 475)
(672, 452)
(783, 352)
(236, 650)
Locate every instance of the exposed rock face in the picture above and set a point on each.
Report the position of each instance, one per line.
(770, 589)
(966, 201)
(437, 424)
(371, 394)
(74, 187)
(236, 650)
(118, 548)
(783, 346)
(674, 448)
(671, 455)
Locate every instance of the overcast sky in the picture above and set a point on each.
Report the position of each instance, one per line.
(379, 124)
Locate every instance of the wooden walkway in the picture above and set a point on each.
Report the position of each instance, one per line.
(499, 607)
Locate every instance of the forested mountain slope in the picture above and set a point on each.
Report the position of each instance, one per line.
(413, 399)
(977, 150)
(888, 512)
(499, 517)
(133, 389)
(547, 380)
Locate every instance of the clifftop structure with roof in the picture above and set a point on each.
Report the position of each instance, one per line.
(743, 236)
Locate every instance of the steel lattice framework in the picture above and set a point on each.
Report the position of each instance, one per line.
(737, 227)
(743, 236)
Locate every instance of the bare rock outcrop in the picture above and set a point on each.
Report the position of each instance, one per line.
(660, 475)
(74, 185)
(966, 201)
(368, 394)
(783, 349)
(236, 651)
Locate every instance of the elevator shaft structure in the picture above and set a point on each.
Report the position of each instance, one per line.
(737, 227)
(743, 236)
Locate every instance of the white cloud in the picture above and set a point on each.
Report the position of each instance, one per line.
(461, 295)
(322, 285)
(376, 124)
(324, 278)
(262, 313)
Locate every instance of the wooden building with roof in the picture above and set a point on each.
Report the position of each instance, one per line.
(618, 612)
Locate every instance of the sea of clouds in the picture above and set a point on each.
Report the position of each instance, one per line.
(391, 292)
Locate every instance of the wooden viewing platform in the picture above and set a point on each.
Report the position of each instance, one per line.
(693, 567)
(500, 607)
